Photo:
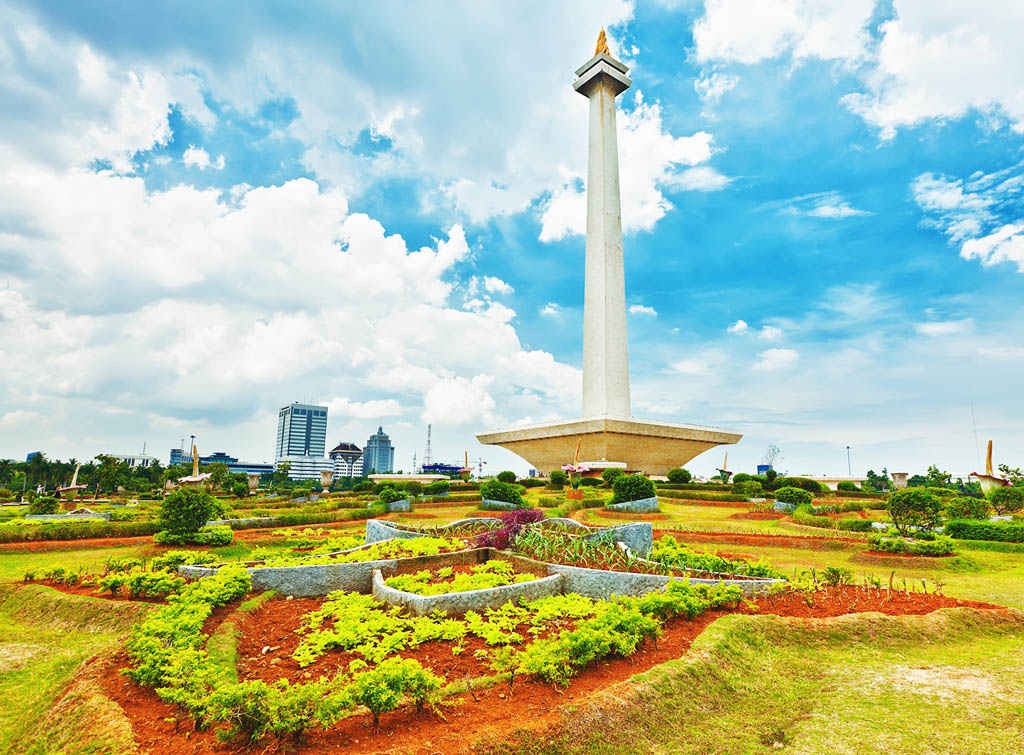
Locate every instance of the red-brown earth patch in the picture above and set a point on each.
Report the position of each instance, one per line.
(812, 542)
(759, 515)
(652, 516)
(161, 728)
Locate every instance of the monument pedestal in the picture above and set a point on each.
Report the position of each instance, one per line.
(649, 447)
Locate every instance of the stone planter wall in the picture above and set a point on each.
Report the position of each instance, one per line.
(105, 515)
(457, 603)
(642, 506)
(488, 504)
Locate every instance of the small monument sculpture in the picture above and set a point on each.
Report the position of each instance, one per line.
(72, 490)
(326, 478)
(988, 481)
(195, 478)
(606, 424)
(724, 472)
(254, 482)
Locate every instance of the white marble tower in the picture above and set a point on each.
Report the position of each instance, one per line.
(605, 353)
(606, 431)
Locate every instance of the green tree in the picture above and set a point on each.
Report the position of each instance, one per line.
(914, 508)
(1007, 500)
(187, 510)
(937, 478)
(679, 476)
(281, 472)
(609, 476)
(219, 474)
(507, 476)
(108, 474)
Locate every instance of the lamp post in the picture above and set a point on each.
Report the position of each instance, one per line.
(849, 466)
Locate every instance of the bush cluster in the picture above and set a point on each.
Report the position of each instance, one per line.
(803, 516)
(1007, 500)
(804, 483)
(1007, 532)
(219, 534)
(506, 476)
(389, 495)
(794, 496)
(940, 546)
(632, 487)
(558, 478)
(847, 487)
(495, 490)
(914, 509)
(44, 504)
(679, 476)
(965, 507)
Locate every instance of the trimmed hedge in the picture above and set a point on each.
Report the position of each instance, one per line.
(940, 546)
(794, 496)
(801, 516)
(677, 494)
(71, 530)
(968, 529)
(693, 486)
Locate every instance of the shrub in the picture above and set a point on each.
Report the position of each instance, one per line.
(748, 488)
(847, 487)
(186, 510)
(1008, 532)
(914, 508)
(795, 496)
(632, 487)
(363, 486)
(44, 504)
(380, 689)
(558, 478)
(609, 475)
(964, 507)
(590, 482)
(512, 524)
(531, 482)
(496, 490)
(438, 488)
(679, 476)
(389, 495)
(1005, 500)
(940, 546)
(219, 534)
(507, 477)
(240, 489)
(941, 492)
(413, 487)
(804, 483)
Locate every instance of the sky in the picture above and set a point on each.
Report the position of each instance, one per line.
(208, 211)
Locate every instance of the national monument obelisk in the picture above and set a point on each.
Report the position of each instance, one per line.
(606, 429)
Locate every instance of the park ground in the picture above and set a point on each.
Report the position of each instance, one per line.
(948, 681)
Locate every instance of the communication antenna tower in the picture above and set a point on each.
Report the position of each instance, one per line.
(427, 458)
(480, 467)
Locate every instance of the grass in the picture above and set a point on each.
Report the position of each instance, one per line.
(947, 682)
(45, 637)
(222, 645)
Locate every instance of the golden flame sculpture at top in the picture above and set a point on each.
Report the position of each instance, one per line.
(602, 44)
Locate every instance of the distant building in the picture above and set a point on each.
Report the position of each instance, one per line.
(178, 456)
(378, 454)
(301, 430)
(448, 470)
(32, 455)
(218, 457)
(135, 461)
(348, 460)
(301, 440)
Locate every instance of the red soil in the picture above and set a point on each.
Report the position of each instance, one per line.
(650, 517)
(759, 515)
(93, 592)
(696, 502)
(160, 727)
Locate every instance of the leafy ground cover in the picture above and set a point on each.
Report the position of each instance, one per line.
(450, 579)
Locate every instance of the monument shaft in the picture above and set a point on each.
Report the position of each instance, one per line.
(605, 351)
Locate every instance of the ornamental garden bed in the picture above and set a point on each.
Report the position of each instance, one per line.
(274, 646)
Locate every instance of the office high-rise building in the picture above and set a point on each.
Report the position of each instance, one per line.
(301, 430)
(378, 454)
(348, 460)
(302, 440)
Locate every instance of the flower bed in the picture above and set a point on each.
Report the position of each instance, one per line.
(492, 573)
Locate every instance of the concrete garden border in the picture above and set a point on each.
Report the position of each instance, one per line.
(104, 515)
(489, 504)
(640, 506)
(456, 603)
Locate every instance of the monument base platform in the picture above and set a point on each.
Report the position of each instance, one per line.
(649, 447)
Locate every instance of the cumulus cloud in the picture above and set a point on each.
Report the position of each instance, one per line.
(776, 359)
(740, 326)
(197, 157)
(373, 409)
(769, 333)
(743, 32)
(973, 213)
(712, 86)
(642, 309)
(551, 310)
(650, 160)
(496, 285)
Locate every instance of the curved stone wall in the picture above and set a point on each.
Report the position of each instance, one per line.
(457, 603)
(642, 506)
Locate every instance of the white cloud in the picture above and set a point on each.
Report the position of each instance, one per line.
(198, 157)
(743, 32)
(970, 212)
(641, 309)
(830, 205)
(551, 310)
(769, 333)
(458, 401)
(650, 160)
(373, 409)
(944, 328)
(940, 60)
(712, 86)
(740, 326)
(691, 366)
(776, 359)
(496, 286)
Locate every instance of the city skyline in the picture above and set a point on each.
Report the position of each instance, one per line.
(821, 240)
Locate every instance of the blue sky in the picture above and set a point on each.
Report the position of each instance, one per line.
(212, 211)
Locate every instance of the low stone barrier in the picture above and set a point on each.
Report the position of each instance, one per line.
(457, 603)
(488, 504)
(378, 530)
(642, 506)
(637, 536)
(104, 515)
(244, 523)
